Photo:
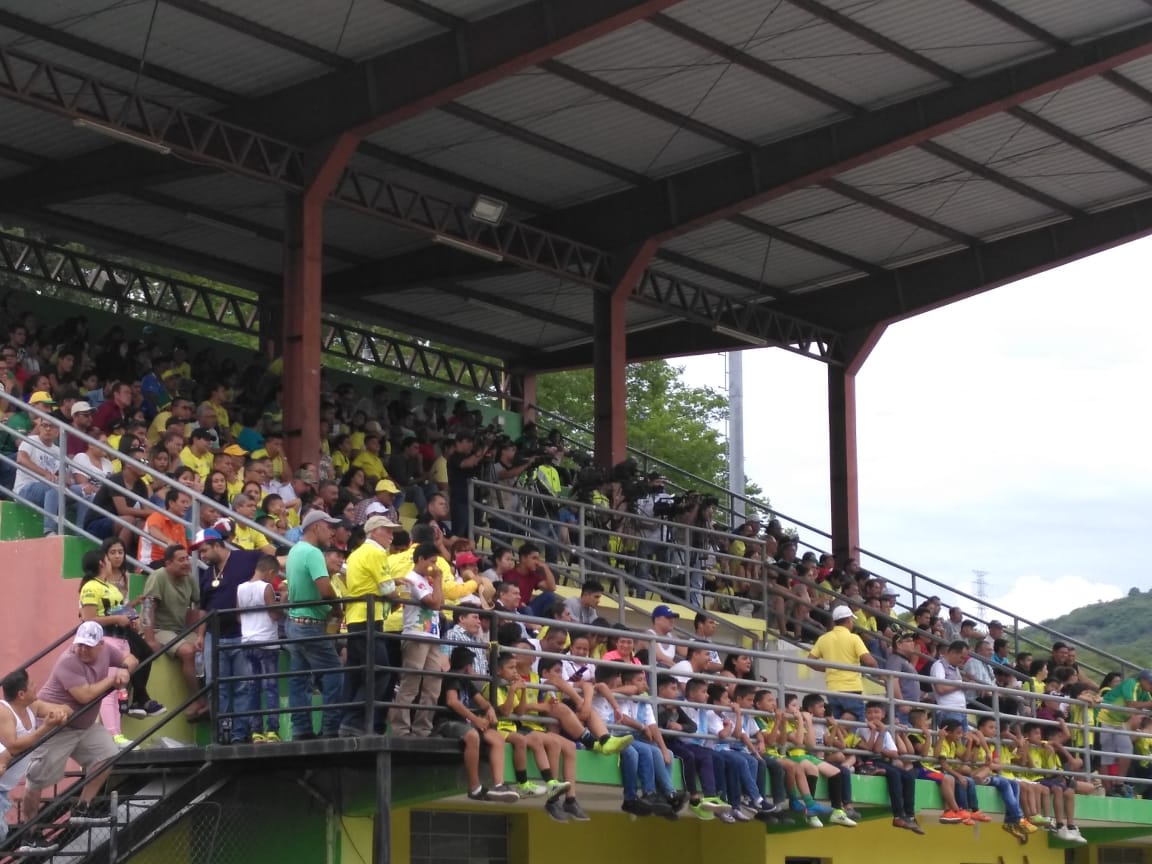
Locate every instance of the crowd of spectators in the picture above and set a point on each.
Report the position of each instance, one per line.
(441, 663)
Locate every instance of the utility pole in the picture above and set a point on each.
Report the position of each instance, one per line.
(980, 584)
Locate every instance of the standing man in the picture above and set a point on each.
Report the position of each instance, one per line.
(841, 645)
(308, 581)
(172, 600)
(83, 674)
(24, 721)
(463, 465)
(1136, 694)
(367, 575)
(227, 570)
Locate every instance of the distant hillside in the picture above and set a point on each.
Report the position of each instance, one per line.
(1119, 627)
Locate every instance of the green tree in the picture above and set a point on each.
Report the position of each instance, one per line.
(667, 418)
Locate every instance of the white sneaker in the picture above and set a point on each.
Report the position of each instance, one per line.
(1076, 836)
(1066, 835)
(814, 822)
(839, 817)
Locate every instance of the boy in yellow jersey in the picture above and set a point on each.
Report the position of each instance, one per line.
(1142, 748)
(773, 739)
(800, 740)
(1049, 756)
(509, 698)
(951, 751)
(920, 736)
(987, 770)
(1033, 796)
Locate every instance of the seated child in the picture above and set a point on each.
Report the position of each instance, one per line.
(952, 754)
(655, 757)
(900, 775)
(695, 761)
(773, 738)
(830, 742)
(920, 737)
(987, 770)
(801, 740)
(1051, 755)
(593, 733)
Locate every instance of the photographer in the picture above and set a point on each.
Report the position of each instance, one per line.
(545, 480)
(463, 465)
(651, 506)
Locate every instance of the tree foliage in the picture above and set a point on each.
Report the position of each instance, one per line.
(667, 418)
(1117, 627)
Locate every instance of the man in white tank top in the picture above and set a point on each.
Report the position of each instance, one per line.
(24, 721)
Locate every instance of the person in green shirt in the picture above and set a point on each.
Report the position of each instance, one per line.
(16, 419)
(1115, 738)
(308, 581)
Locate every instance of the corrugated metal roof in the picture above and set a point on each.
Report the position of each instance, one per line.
(125, 213)
(10, 169)
(795, 42)
(227, 192)
(44, 135)
(355, 29)
(105, 72)
(1073, 21)
(367, 235)
(753, 255)
(441, 139)
(956, 35)
(180, 41)
(473, 10)
(703, 280)
(700, 85)
(589, 122)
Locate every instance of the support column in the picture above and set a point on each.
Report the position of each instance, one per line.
(523, 401)
(302, 306)
(610, 358)
(271, 325)
(382, 824)
(842, 468)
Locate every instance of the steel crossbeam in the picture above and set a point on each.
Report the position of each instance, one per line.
(753, 317)
(209, 140)
(131, 286)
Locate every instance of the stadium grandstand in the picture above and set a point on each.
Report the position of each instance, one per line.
(299, 570)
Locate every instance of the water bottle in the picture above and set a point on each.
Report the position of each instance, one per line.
(122, 700)
(198, 662)
(146, 613)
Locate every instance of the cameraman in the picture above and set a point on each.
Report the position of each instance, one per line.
(505, 472)
(463, 465)
(545, 480)
(652, 533)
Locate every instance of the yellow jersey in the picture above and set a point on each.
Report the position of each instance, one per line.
(367, 574)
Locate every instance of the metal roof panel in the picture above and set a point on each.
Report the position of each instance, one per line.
(42, 134)
(589, 122)
(1074, 21)
(473, 10)
(185, 43)
(355, 30)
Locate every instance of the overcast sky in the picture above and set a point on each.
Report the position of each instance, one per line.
(1005, 433)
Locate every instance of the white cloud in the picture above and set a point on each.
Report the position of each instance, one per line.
(1041, 598)
(1006, 433)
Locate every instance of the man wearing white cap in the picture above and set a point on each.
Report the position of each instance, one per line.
(81, 417)
(841, 645)
(82, 675)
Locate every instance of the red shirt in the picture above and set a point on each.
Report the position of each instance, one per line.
(106, 413)
(526, 582)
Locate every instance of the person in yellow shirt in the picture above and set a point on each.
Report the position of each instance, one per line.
(341, 448)
(198, 454)
(216, 399)
(369, 460)
(273, 451)
(181, 409)
(243, 536)
(841, 645)
(235, 471)
(367, 575)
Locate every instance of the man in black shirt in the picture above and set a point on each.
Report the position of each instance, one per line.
(463, 465)
(465, 715)
(111, 499)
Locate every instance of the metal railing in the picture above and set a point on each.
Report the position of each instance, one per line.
(912, 583)
(69, 467)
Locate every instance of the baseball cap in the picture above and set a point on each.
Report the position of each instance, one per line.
(206, 535)
(378, 521)
(663, 611)
(89, 634)
(315, 516)
(841, 612)
(464, 559)
(387, 485)
(41, 397)
(82, 408)
(230, 450)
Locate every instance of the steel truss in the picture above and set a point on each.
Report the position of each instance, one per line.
(130, 286)
(209, 140)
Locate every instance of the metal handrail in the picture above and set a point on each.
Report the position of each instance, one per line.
(66, 431)
(912, 588)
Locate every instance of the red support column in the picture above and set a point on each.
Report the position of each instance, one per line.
(610, 360)
(842, 457)
(303, 282)
(523, 399)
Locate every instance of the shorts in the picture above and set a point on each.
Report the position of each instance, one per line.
(805, 757)
(932, 774)
(455, 730)
(1116, 740)
(1055, 782)
(87, 747)
(166, 636)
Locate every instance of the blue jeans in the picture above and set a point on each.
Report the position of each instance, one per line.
(739, 776)
(630, 772)
(542, 602)
(654, 774)
(260, 661)
(965, 792)
(5, 806)
(901, 790)
(838, 703)
(309, 657)
(232, 665)
(1010, 794)
(46, 495)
